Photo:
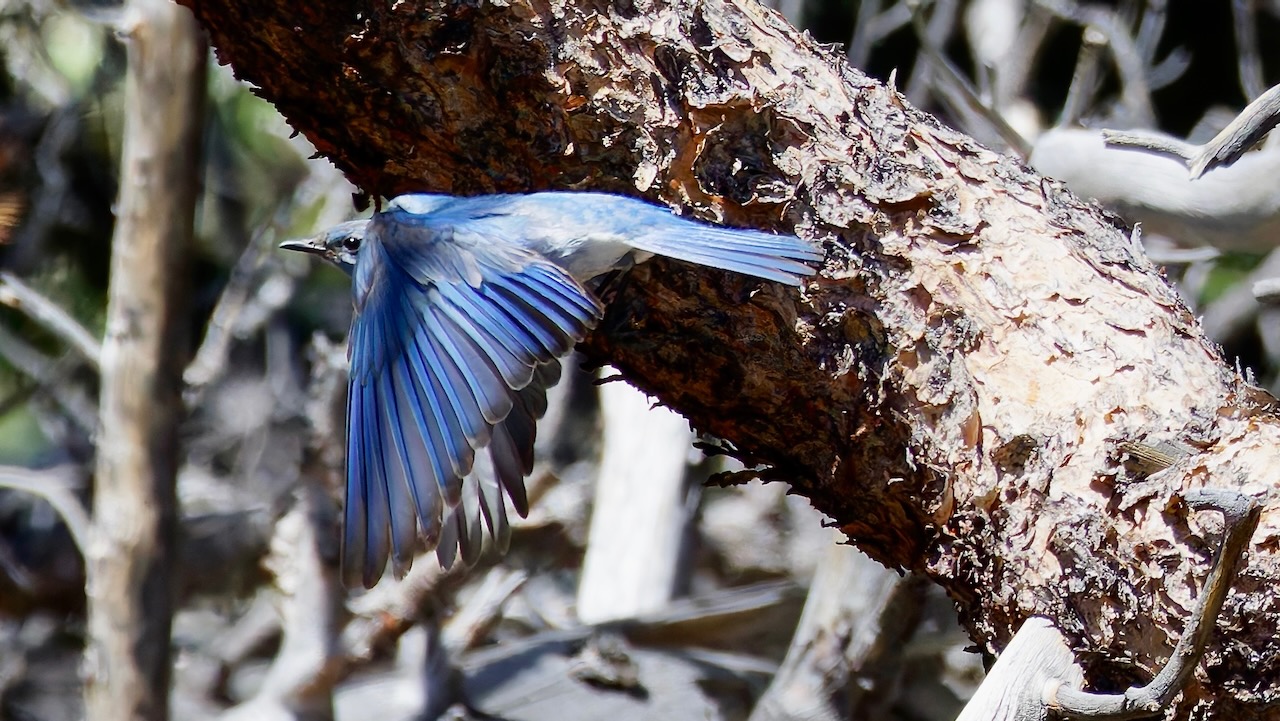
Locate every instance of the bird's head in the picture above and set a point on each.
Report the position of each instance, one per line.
(339, 245)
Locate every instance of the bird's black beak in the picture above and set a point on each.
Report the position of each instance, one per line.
(306, 245)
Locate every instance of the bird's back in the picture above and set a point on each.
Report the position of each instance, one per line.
(585, 233)
(590, 234)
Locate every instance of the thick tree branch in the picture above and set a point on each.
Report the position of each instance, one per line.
(953, 390)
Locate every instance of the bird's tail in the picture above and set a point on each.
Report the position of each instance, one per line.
(782, 258)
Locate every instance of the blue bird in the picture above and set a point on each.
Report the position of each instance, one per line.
(463, 309)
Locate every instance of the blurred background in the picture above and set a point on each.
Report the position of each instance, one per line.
(635, 589)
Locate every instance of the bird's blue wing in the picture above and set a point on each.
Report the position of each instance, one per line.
(448, 353)
(510, 461)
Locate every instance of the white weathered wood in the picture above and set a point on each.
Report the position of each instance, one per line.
(855, 613)
(1227, 147)
(132, 541)
(298, 683)
(1014, 690)
(641, 510)
(1232, 208)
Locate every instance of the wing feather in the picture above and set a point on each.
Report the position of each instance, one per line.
(485, 383)
(370, 489)
(421, 477)
(452, 349)
(397, 468)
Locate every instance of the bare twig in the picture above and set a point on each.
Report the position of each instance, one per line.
(1158, 143)
(1255, 121)
(472, 621)
(210, 359)
(131, 545)
(387, 611)
(47, 372)
(1241, 514)
(856, 619)
(49, 202)
(954, 87)
(1084, 79)
(297, 684)
(20, 296)
(1038, 670)
(1151, 30)
(1247, 57)
(1234, 313)
(1228, 146)
(1135, 93)
(936, 30)
(861, 42)
(1170, 69)
(1232, 209)
(890, 21)
(1004, 37)
(1013, 690)
(56, 487)
(1011, 82)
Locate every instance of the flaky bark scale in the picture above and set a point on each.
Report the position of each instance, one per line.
(953, 389)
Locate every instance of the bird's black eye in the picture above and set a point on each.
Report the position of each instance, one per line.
(351, 244)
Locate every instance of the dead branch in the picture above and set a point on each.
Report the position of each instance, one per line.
(16, 294)
(1235, 208)
(641, 513)
(845, 653)
(55, 486)
(131, 545)
(1225, 149)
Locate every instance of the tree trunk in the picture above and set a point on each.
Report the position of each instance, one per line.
(953, 390)
(131, 551)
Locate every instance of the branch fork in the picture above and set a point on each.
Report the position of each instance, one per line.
(1037, 674)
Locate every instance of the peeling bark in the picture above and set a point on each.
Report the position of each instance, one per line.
(953, 390)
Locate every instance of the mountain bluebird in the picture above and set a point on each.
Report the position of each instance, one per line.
(463, 309)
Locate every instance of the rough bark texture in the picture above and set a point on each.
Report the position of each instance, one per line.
(952, 390)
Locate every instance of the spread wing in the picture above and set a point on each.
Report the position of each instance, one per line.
(450, 352)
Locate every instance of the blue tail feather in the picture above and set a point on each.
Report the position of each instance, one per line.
(456, 382)
(494, 511)
(422, 481)
(371, 489)
(409, 395)
(470, 535)
(356, 519)
(422, 388)
(782, 258)
(447, 550)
